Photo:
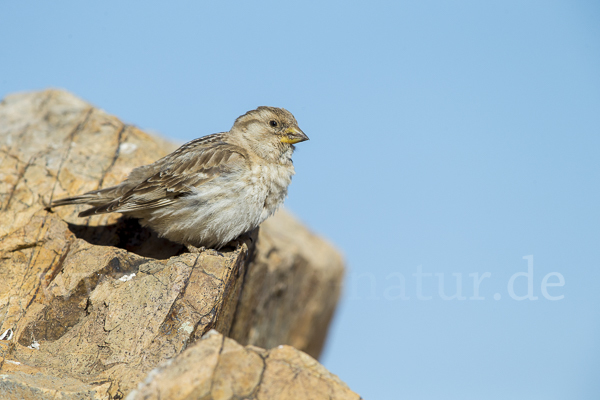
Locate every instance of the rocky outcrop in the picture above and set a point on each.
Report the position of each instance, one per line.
(89, 306)
(219, 368)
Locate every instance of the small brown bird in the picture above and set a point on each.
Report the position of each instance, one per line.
(212, 189)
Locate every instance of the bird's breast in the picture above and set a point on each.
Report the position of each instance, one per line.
(270, 183)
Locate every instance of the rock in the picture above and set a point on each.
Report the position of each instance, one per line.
(88, 306)
(280, 284)
(217, 367)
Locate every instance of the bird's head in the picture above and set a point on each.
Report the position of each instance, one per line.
(270, 131)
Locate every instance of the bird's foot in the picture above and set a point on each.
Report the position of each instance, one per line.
(203, 249)
(194, 249)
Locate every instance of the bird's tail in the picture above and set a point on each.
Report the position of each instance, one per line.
(82, 199)
(95, 198)
(99, 203)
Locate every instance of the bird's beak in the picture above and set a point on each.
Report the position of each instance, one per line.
(293, 135)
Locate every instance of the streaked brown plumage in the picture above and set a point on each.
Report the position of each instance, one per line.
(212, 189)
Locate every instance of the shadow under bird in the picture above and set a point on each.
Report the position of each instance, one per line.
(212, 189)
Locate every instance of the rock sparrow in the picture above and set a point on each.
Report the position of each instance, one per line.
(212, 189)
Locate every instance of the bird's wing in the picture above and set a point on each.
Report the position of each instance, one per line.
(192, 165)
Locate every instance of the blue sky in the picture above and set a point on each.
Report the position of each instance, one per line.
(452, 139)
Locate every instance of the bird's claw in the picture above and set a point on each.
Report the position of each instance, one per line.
(194, 249)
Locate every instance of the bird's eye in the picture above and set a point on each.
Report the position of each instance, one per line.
(273, 123)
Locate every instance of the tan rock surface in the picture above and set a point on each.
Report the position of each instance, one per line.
(204, 371)
(89, 305)
(293, 273)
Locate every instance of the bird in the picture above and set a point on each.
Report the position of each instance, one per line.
(212, 189)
